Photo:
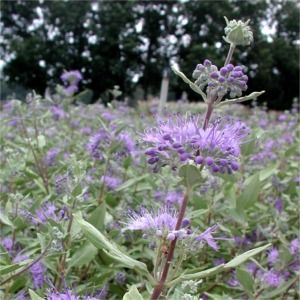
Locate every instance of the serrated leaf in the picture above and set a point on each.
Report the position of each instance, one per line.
(133, 294)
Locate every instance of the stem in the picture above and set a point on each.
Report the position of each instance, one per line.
(62, 260)
(229, 55)
(101, 194)
(209, 111)
(160, 285)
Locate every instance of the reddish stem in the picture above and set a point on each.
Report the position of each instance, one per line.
(160, 286)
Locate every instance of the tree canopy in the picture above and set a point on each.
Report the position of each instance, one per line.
(130, 43)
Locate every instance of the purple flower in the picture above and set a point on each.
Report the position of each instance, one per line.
(219, 261)
(161, 223)
(174, 197)
(45, 212)
(102, 293)
(67, 295)
(57, 112)
(7, 243)
(128, 142)
(120, 278)
(70, 90)
(71, 77)
(61, 184)
(21, 295)
(111, 182)
(278, 205)
(182, 138)
(272, 278)
(294, 246)
(273, 256)
(86, 130)
(207, 237)
(37, 274)
(233, 282)
(251, 268)
(51, 156)
(93, 146)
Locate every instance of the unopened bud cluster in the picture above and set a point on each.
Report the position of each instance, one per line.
(238, 32)
(229, 79)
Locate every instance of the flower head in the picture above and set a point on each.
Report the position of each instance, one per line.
(228, 79)
(51, 156)
(273, 256)
(57, 112)
(294, 246)
(111, 182)
(272, 278)
(161, 223)
(71, 77)
(180, 139)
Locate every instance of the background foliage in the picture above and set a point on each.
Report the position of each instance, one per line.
(113, 43)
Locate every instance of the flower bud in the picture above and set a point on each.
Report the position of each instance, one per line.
(238, 32)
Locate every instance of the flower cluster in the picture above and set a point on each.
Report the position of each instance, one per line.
(101, 140)
(162, 224)
(71, 80)
(180, 139)
(228, 79)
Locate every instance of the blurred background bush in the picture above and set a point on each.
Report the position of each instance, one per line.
(131, 43)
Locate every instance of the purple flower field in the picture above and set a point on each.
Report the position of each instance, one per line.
(71, 173)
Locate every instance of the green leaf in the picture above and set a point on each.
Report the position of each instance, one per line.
(83, 255)
(97, 217)
(5, 220)
(101, 242)
(34, 295)
(212, 271)
(245, 256)
(245, 279)
(250, 193)
(41, 141)
(251, 96)
(192, 85)
(217, 297)
(10, 268)
(267, 172)
(203, 274)
(133, 294)
(131, 182)
(190, 175)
